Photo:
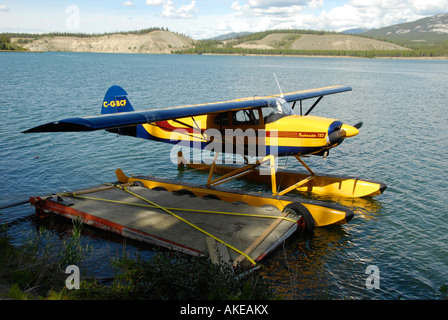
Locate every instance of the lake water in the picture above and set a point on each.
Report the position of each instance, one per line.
(403, 104)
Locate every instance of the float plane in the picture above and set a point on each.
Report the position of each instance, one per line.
(263, 128)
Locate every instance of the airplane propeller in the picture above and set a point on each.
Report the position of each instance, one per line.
(358, 125)
(338, 136)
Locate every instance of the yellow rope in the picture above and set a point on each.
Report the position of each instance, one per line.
(189, 223)
(168, 211)
(183, 209)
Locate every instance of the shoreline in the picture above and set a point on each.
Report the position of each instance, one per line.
(323, 56)
(242, 54)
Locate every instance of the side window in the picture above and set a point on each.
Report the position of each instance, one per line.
(245, 117)
(222, 119)
(266, 111)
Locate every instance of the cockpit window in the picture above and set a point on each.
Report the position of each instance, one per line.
(276, 109)
(240, 117)
(222, 119)
(245, 117)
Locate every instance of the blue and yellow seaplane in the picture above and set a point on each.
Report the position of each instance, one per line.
(259, 129)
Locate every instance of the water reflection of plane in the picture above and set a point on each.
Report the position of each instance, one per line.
(301, 268)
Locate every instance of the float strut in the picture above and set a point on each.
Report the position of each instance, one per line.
(296, 185)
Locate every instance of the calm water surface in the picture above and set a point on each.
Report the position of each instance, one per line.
(403, 104)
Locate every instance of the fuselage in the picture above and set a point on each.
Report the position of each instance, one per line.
(274, 129)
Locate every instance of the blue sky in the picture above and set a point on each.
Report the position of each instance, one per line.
(202, 19)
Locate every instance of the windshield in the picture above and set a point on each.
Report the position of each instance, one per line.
(284, 107)
(277, 109)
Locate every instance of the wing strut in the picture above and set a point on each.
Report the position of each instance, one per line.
(312, 107)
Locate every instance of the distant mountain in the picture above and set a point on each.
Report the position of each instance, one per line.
(231, 35)
(430, 30)
(355, 31)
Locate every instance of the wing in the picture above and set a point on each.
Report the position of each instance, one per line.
(314, 93)
(133, 118)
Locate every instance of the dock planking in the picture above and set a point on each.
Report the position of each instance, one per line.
(177, 220)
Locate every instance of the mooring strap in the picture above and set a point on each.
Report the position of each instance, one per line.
(188, 222)
(76, 195)
(169, 211)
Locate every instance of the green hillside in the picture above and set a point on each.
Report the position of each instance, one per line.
(320, 43)
(7, 45)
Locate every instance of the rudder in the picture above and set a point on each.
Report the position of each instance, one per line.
(115, 101)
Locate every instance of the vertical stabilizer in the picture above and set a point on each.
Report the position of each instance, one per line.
(115, 101)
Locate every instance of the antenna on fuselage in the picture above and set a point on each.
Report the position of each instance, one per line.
(279, 88)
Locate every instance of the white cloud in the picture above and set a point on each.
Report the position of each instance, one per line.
(238, 8)
(185, 11)
(382, 13)
(155, 2)
(128, 4)
(274, 3)
(263, 8)
(4, 8)
(316, 4)
(432, 7)
(349, 16)
(305, 14)
(170, 11)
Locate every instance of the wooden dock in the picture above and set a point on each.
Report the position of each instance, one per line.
(236, 233)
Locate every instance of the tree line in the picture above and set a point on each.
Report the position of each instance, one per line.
(79, 34)
(7, 45)
(23, 38)
(432, 52)
(281, 47)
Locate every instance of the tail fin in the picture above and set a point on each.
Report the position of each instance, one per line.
(115, 101)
